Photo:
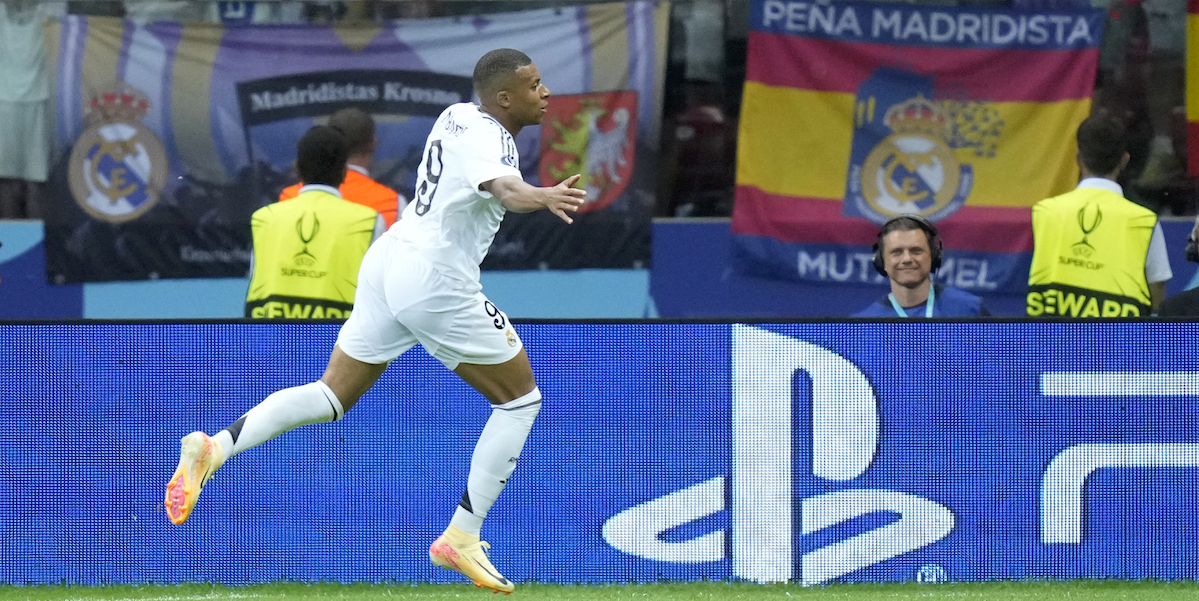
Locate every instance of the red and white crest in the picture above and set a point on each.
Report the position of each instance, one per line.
(594, 135)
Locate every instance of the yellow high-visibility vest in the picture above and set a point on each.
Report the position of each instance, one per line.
(1089, 256)
(306, 256)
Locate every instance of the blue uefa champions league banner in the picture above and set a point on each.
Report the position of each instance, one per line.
(810, 452)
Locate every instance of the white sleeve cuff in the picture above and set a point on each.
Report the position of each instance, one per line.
(1157, 262)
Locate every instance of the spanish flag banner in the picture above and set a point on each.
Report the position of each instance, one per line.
(856, 112)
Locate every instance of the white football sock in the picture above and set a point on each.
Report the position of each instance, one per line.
(224, 440)
(282, 411)
(495, 458)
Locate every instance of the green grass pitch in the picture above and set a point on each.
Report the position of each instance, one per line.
(1078, 590)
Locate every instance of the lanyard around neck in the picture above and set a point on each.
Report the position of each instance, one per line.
(928, 306)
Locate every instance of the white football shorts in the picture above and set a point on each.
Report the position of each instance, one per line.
(402, 300)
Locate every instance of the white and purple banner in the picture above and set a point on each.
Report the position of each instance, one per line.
(169, 135)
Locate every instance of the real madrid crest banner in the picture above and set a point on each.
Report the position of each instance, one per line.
(170, 135)
(857, 112)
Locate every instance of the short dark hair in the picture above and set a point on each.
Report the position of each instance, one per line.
(495, 66)
(906, 223)
(357, 126)
(1101, 144)
(321, 156)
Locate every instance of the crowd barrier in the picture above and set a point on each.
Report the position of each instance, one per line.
(807, 451)
(692, 276)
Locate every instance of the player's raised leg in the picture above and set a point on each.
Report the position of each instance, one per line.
(345, 380)
(515, 403)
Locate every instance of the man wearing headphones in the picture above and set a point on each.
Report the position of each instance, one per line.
(908, 251)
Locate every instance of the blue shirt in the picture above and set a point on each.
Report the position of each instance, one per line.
(949, 302)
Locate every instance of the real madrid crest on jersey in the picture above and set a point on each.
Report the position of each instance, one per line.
(118, 167)
(905, 153)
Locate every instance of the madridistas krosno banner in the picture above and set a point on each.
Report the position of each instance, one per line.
(169, 135)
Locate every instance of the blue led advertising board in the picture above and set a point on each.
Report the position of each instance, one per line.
(810, 452)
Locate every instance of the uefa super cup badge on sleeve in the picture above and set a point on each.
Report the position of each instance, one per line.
(118, 167)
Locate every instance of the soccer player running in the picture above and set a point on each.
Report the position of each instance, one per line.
(420, 283)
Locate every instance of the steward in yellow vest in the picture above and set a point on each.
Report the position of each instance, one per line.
(307, 251)
(1091, 244)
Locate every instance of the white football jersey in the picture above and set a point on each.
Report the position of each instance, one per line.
(450, 220)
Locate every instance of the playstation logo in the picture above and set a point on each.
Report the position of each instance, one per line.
(844, 441)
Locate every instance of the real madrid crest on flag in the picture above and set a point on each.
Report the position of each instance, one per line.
(118, 167)
(905, 150)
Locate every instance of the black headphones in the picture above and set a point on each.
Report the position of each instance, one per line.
(935, 247)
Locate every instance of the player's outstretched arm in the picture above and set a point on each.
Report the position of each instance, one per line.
(517, 195)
